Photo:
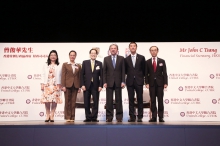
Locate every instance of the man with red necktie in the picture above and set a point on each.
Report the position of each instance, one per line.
(156, 80)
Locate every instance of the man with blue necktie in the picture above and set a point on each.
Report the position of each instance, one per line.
(114, 81)
(134, 69)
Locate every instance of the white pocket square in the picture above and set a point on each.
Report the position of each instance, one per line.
(97, 67)
(161, 64)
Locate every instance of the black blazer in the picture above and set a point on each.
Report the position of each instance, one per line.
(87, 74)
(111, 75)
(138, 71)
(160, 74)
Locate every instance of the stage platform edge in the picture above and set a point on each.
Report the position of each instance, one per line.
(39, 133)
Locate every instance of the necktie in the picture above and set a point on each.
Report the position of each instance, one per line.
(154, 65)
(113, 61)
(133, 61)
(92, 65)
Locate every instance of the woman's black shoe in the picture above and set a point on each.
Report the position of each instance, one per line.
(47, 120)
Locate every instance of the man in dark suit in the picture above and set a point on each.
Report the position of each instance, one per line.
(156, 80)
(113, 79)
(135, 68)
(91, 83)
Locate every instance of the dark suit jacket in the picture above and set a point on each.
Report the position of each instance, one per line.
(87, 74)
(160, 74)
(137, 71)
(113, 75)
(68, 78)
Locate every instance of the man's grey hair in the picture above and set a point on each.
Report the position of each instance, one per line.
(113, 45)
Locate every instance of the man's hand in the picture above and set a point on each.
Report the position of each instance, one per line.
(83, 88)
(100, 89)
(79, 90)
(122, 85)
(165, 85)
(105, 85)
(147, 86)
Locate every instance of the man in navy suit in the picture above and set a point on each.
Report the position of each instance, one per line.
(91, 83)
(114, 80)
(134, 69)
(156, 80)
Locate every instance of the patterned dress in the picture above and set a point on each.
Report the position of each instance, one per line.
(51, 91)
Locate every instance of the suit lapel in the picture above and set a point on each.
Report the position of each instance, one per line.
(70, 67)
(136, 60)
(130, 60)
(90, 65)
(158, 60)
(151, 64)
(95, 64)
(76, 69)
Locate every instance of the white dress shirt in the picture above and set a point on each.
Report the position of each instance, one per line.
(73, 66)
(135, 55)
(155, 60)
(115, 58)
(92, 61)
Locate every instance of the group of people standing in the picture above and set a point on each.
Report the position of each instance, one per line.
(114, 74)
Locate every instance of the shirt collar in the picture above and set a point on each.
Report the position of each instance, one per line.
(134, 55)
(154, 57)
(71, 63)
(113, 56)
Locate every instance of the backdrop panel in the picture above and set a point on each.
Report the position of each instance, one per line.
(193, 79)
